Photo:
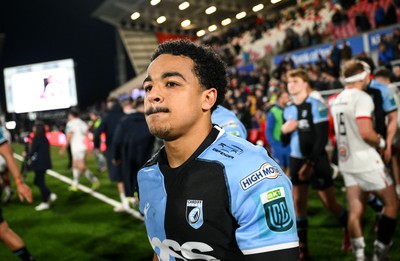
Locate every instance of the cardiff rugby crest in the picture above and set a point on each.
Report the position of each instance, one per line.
(194, 213)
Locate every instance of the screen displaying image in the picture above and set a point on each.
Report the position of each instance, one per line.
(40, 87)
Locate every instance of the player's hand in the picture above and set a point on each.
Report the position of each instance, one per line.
(115, 162)
(387, 154)
(24, 192)
(289, 126)
(306, 171)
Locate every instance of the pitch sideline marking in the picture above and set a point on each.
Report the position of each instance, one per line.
(87, 190)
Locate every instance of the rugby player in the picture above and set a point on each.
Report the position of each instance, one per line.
(7, 235)
(360, 163)
(207, 195)
(306, 128)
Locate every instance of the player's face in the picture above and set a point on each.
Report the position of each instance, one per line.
(174, 100)
(285, 98)
(296, 85)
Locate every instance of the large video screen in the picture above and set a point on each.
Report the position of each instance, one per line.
(40, 87)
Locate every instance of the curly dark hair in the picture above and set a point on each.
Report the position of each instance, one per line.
(208, 66)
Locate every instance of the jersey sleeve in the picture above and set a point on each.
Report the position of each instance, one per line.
(270, 128)
(364, 107)
(389, 102)
(319, 111)
(68, 127)
(289, 113)
(3, 138)
(261, 202)
(229, 122)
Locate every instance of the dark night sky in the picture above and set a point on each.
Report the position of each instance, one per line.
(45, 30)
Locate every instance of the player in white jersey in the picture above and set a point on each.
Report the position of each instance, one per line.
(359, 161)
(76, 131)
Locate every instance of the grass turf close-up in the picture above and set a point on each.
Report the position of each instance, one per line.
(78, 226)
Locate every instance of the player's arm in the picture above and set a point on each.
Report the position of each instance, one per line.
(289, 127)
(261, 235)
(270, 128)
(321, 139)
(390, 134)
(155, 258)
(23, 190)
(96, 137)
(368, 134)
(390, 107)
(68, 141)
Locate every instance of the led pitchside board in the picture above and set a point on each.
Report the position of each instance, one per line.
(40, 86)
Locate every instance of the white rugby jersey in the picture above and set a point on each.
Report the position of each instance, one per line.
(355, 155)
(79, 128)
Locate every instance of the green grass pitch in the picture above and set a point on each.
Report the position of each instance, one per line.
(80, 227)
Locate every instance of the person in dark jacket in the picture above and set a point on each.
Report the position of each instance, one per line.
(132, 146)
(39, 155)
(107, 126)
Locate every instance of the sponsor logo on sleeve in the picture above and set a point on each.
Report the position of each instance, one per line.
(323, 112)
(266, 171)
(230, 124)
(392, 101)
(276, 210)
(194, 213)
(228, 150)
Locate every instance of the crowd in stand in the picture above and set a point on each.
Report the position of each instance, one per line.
(252, 92)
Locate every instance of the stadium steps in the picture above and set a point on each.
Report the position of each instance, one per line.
(139, 46)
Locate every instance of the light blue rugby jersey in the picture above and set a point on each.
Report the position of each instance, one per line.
(388, 101)
(229, 187)
(312, 111)
(2, 136)
(228, 120)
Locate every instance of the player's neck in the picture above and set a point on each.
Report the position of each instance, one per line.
(180, 150)
(354, 86)
(300, 97)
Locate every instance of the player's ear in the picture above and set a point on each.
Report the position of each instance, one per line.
(209, 98)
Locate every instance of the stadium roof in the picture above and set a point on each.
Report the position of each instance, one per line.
(120, 13)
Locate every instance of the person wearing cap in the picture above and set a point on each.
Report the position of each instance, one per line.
(361, 165)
